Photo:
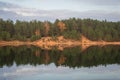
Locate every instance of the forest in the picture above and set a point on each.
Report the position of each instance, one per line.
(71, 28)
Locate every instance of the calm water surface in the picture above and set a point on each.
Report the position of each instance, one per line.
(33, 63)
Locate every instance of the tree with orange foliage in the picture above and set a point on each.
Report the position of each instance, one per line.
(36, 36)
(61, 26)
(47, 28)
(37, 32)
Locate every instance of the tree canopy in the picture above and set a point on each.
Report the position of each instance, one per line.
(69, 28)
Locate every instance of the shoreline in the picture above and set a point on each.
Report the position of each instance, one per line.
(61, 43)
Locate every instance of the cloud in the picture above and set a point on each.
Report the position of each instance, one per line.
(14, 12)
(95, 2)
(101, 2)
(101, 15)
(21, 11)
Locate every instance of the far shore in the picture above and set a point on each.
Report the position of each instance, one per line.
(61, 42)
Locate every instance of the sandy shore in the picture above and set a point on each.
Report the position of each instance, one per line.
(60, 42)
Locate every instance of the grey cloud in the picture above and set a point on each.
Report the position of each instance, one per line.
(52, 15)
(101, 2)
(7, 15)
(20, 13)
(101, 15)
(7, 5)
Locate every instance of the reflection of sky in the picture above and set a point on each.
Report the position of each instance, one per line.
(51, 72)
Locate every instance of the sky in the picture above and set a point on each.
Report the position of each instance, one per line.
(60, 9)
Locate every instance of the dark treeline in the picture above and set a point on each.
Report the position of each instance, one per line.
(71, 28)
(71, 57)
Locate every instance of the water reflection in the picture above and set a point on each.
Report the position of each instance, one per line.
(51, 72)
(69, 57)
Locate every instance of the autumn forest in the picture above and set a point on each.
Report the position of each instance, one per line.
(71, 28)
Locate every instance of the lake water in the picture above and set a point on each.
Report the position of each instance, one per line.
(33, 63)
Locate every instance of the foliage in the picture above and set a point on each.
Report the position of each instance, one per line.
(72, 35)
(34, 37)
(4, 35)
(70, 28)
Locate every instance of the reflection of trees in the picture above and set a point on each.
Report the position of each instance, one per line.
(61, 59)
(37, 53)
(72, 57)
(47, 57)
